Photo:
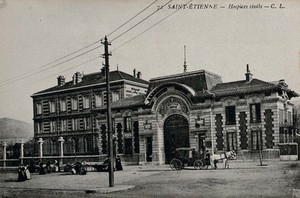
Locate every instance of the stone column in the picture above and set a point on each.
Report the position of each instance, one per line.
(40, 141)
(22, 151)
(4, 153)
(61, 149)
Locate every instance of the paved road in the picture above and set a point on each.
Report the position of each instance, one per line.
(277, 179)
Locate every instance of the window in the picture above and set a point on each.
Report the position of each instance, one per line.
(256, 140)
(280, 116)
(63, 125)
(38, 108)
(285, 135)
(128, 146)
(127, 124)
(289, 119)
(75, 145)
(86, 102)
(231, 141)
(63, 105)
(88, 144)
(115, 96)
(52, 126)
(86, 123)
(98, 100)
(52, 106)
(230, 115)
(113, 123)
(255, 113)
(39, 127)
(74, 124)
(74, 103)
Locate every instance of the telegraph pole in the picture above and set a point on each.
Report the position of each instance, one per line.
(109, 131)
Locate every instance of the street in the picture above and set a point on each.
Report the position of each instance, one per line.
(275, 179)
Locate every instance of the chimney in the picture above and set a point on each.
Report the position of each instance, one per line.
(103, 73)
(139, 75)
(248, 75)
(61, 80)
(77, 78)
(282, 83)
(134, 72)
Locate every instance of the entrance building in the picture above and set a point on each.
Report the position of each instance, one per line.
(196, 110)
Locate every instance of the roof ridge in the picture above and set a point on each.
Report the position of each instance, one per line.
(120, 74)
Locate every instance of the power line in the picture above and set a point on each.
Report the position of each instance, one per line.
(50, 63)
(29, 73)
(63, 70)
(132, 18)
(141, 21)
(72, 67)
(148, 28)
(74, 52)
(26, 76)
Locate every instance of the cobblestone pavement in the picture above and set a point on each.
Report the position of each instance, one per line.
(277, 179)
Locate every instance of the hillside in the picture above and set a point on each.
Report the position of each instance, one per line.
(15, 129)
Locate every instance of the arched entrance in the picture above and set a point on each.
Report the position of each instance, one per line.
(176, 135)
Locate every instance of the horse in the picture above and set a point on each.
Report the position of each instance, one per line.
(215, 158)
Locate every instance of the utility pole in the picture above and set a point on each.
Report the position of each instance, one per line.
(109, 131)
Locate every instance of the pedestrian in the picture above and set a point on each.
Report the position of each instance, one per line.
(27, 172)
(207, 158)
(118, 164)
(56, 165)
(31, 166)
(42, 170)
(48, 167)
(21, 173)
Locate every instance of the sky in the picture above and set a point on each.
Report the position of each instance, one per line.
(34, 33)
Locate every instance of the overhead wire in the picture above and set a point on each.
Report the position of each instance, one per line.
(58, 73)
(26, 76)
(132, 18)
(148, 28)
(50, 63)
(21, 76)
(141, 21)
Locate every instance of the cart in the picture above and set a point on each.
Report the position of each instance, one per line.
(187, 157)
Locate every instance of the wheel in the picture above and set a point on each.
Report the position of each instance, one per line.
(175, 164)
(198, 164)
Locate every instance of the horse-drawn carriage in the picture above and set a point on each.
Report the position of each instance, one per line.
(187, 157)
(190, 157)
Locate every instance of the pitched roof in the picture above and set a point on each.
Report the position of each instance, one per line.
(198, 80)
(95, 78)
(242, 86)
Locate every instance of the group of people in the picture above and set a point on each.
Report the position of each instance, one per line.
(24, 171)
(43, 169)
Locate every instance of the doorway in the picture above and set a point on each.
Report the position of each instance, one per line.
(148, 149)
(176, 135)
